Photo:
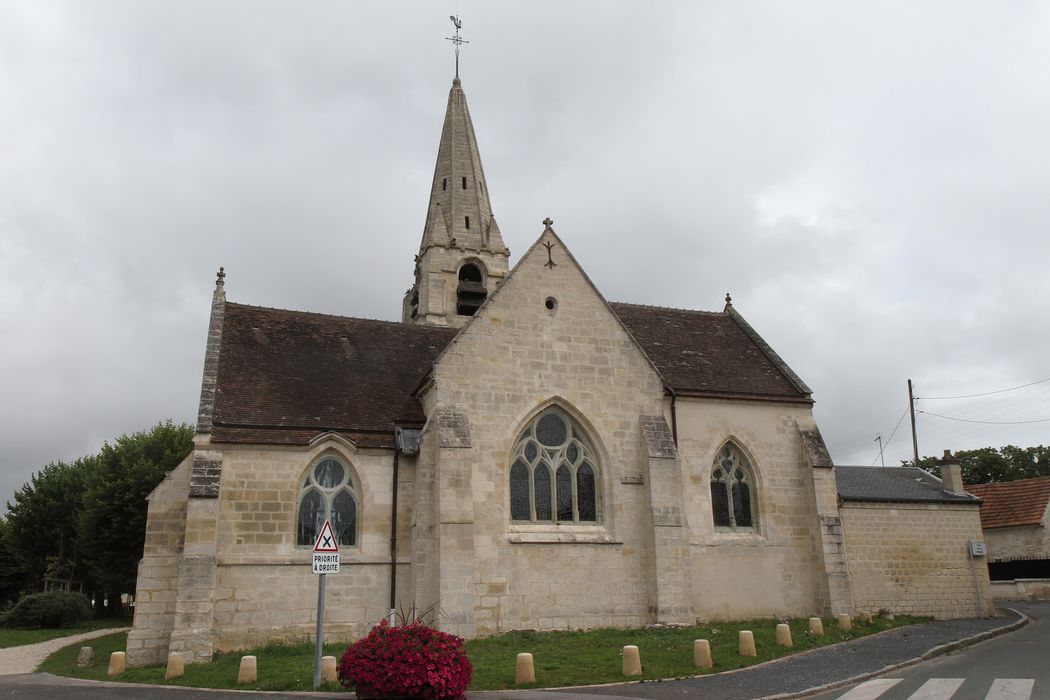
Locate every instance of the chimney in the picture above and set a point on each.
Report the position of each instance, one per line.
(951, 473)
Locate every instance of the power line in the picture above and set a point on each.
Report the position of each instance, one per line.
(987, 393)
(892, 432)
(988, 422)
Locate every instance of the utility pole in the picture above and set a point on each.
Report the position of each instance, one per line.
(911, 407)
(878, 439)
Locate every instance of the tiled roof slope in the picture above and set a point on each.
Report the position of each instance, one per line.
(709, 353)
(286, 376)
(1012, 503)
(897, 484)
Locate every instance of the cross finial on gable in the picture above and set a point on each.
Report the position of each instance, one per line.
(729, 299)
(548, 222)
(220, 277)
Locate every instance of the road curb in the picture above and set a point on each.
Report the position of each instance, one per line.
(930, 654)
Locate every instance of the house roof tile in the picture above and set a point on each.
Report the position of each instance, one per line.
(896, 484)
(1013, 503)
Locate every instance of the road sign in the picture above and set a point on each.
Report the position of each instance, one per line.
(325, 563)
(326, 539)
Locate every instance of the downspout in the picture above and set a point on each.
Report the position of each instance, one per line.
(674, 415)
(393, 535)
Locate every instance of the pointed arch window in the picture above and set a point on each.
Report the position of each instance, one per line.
(554, 473)
(732, 491)
(327, 493)
(471, 292)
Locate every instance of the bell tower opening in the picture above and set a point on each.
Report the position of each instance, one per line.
(471, 292)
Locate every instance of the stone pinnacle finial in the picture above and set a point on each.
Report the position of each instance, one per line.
(220, 277)
(548, 222)
(729, 299)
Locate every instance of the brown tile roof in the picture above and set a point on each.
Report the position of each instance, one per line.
(710, 353)
(1012, 503)
(287, 376)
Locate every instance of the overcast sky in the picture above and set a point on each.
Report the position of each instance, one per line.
(870, 181)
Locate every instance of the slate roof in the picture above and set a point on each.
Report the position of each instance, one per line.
(1013, 503)
(710, 354)
(285, 377)
(894, 484)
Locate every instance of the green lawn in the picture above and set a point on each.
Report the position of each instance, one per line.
(18, 637)
(561, 658)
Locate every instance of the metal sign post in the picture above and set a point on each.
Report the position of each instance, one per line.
(325, 561)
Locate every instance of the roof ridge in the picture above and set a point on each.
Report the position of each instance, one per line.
(669, 308)
(339, 316)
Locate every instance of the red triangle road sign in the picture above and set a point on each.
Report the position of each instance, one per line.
(326, 539)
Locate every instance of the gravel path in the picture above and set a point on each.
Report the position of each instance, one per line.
(26, 658)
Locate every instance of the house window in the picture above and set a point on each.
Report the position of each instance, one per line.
(327, 494)
(732, 491)
(554, 472)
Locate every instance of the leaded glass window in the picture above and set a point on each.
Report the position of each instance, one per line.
(731, 491)
(327, 494)
(554, 475)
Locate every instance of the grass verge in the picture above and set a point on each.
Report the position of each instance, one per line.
(561, 658)
(18, 637)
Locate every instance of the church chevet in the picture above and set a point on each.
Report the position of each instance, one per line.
(522, 453)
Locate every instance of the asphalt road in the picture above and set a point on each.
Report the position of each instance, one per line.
(1022, 657)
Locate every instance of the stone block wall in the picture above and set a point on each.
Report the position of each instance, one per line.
(914, 558)
(778, 567)
(158, 571)
(1018, 543)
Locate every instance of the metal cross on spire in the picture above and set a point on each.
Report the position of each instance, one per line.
(457, 40)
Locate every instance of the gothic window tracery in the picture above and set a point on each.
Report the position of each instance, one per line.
(732, 490)
(554, 472)
(327, 493)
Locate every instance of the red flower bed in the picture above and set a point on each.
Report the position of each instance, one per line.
(412, 660)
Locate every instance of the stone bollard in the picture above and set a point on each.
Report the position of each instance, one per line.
(783, 636)
(864, 618)
(844, 621)
(176, 666)
(632, 661)
(328, 670)
(117, 662)
(524, 669)
(746, 643)
(702, 653)
(247, 672)
(816, 626)
(86, 657)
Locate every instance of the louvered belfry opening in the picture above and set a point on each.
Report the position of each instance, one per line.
(471, 292)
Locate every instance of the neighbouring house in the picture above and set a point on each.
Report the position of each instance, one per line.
(1014, 516)
(524, 453)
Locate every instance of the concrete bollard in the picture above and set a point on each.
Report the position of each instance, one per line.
(85, 657)
(328, 670)
(844, 621)
(783, 635)
(176, 666)
(247, 672)
(702, 653)
(632, 661)
(816, 626)
(746, 643)
(117, 662)
(524, 669)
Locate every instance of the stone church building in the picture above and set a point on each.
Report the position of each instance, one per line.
(523, 453)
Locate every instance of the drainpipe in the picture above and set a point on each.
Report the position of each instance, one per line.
(674, 415)
(393, 535)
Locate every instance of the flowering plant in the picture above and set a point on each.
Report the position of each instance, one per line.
(411, 660)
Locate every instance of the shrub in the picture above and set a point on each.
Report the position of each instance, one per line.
(412, 660)
(54, 609)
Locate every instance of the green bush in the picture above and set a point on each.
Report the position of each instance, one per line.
(55, 609)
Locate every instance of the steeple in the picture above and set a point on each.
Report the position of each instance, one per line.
(461, 257)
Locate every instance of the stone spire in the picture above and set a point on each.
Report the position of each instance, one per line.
(459, 230)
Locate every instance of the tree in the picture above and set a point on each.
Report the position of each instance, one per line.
(43, 522)
(988, 465)
(113, 518)
(12, 575)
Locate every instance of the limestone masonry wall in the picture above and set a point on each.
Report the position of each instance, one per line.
(913, 558)
(1015, 543)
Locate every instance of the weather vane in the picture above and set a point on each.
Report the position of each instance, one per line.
(457, 40)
